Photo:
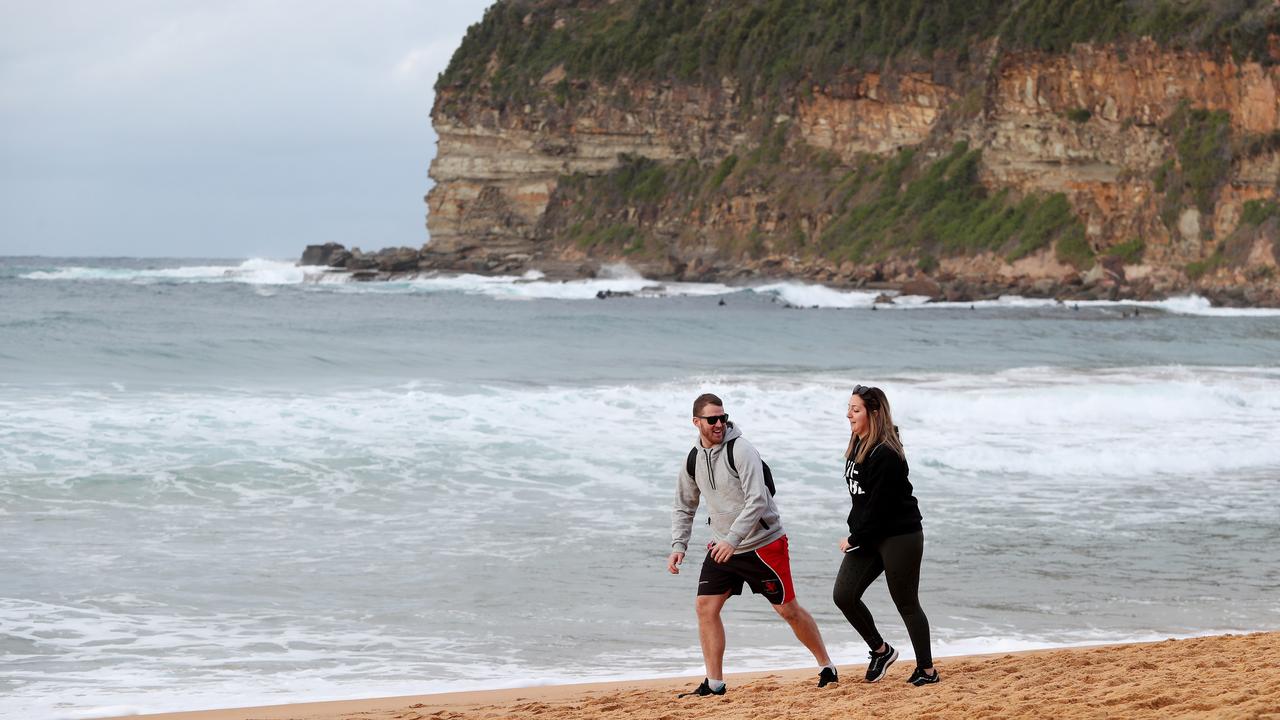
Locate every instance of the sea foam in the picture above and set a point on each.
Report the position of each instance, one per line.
(617, 279)
(256, 271)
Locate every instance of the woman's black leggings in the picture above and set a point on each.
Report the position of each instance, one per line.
(898, 557)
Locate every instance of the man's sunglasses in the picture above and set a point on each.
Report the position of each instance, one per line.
(714, 419)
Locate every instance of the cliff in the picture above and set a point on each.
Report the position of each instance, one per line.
(1079, 147)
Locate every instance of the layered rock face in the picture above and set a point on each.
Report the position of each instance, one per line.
(1098, 124)
(496, 170)
(1106, 163)
(864, 115)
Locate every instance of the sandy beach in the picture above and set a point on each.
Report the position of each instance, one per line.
(1228, 676)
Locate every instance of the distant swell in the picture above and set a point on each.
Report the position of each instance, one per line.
(252, 272)
(620, 281)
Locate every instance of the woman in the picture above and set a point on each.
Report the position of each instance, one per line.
(884, 534)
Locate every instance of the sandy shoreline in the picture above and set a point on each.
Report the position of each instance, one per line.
(1226, 676)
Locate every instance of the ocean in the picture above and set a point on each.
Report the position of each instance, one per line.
(230, 482)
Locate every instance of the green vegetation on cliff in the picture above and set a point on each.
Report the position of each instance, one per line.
(944, 210)
(770, 46)
(1206, 152)
(1200, 268)
(1130, 251)
(901, 206)
(767, 45)
(1257, 212)
(1241, 26)
(616, 210)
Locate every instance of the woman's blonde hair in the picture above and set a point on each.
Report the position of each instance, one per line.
(880, 427)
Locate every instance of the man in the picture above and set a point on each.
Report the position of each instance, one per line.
(748, 542)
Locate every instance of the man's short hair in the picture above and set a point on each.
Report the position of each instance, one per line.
(704, 400)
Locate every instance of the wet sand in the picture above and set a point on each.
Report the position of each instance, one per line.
(1229, 676)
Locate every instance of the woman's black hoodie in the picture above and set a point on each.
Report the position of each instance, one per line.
(883, 505)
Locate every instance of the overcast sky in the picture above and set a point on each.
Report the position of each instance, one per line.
(224, 128)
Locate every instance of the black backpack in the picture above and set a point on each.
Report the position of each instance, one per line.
(728, 447)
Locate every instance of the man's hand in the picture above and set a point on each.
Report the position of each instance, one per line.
(673, 562)
(722, 551)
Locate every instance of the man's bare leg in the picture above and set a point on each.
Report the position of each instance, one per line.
(803, 625)
(711, 633)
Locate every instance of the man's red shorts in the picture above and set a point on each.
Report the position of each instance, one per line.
(766, 569)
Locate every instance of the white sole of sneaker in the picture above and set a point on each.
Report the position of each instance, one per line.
(884, 670)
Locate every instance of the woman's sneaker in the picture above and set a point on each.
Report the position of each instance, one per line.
(919, 678)
(880, 663)
(704, 689)
(827, 676)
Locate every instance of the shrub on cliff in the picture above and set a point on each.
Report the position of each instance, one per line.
(1200, 268)
(1079, 115)
(1257, 212)
(1073, 248)
(1204, 152)
(1130, 251)
(1202, 140)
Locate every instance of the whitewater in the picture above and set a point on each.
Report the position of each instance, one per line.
(244, 482)
(617, 279)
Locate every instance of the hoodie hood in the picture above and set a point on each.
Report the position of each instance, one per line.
(740, 507)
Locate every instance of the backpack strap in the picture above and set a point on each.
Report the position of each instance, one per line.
(692, 460)
(768, 473)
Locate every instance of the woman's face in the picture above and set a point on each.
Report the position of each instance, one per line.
(858, 416)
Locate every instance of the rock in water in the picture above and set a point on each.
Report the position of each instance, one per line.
(922, 286)
(401, 259)
(323, 254)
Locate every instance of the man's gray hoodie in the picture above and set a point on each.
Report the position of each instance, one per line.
(742, 510)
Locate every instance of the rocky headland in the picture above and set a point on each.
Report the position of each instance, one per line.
(960, 150)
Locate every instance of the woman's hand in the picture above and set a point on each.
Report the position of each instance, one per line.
(844, 544)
